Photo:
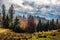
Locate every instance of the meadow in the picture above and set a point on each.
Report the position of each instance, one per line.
(6, 34)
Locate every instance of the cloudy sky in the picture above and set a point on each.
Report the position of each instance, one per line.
(48, 9)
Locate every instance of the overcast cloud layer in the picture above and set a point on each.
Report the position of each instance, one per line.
(48, 9)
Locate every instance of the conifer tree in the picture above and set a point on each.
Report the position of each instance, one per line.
(57, 21)
(4, 15)
(11, 12)
(57, 24)
(39, 27)
(7, 21)
(0, 20)
(16, 21)
(46, 27)
(16, 27)
(52, 23)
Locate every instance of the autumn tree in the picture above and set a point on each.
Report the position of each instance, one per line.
(31, 24)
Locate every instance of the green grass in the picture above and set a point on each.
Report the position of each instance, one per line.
(48, 38)
(45, 36)
(40, 39)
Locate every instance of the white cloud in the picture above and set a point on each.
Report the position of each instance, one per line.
(45, 9)
(37, 2)
(33, 5)
(45, 2)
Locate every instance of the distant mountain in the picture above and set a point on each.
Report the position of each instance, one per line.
(37, 17)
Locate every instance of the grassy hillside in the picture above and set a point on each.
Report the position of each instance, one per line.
(6, 34)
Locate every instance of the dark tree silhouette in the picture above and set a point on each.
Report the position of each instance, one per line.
(57, 21)
(4, 15)
(11, 12)
(7, 21)
(16, 26)
(46, 27)
(0, 20)
(57, 24)
(52, 24)
(39, 27)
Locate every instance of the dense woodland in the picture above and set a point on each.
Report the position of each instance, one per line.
(8, 21)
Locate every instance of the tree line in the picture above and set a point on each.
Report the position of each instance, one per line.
(8, 21)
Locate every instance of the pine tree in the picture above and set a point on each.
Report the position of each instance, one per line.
(52, 23)
(46, 27)
(57, 21)
(11, 12)
(16, 27)
(0, 20)
(7, 21)
(4, 15)
(57, 24)
(39, 27)
(16, 21)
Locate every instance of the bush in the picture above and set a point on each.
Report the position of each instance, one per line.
(18, 29)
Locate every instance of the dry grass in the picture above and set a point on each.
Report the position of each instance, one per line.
(6, 34)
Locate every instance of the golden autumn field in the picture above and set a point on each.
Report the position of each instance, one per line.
(6, 34)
